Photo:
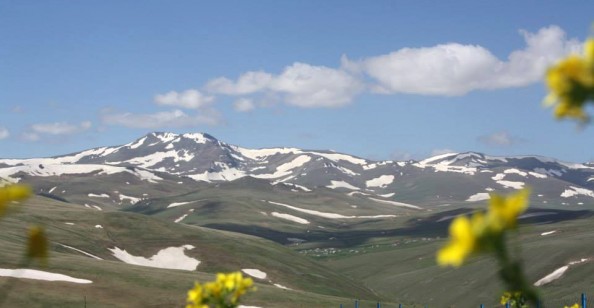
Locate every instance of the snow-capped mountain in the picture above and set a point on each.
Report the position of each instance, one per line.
(201, 157)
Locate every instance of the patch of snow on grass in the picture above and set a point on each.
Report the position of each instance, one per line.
(174, 204)
(538, 175)
(290, 217)
(498, 177)
(381, 181)
(69, 223)
(285, 169)
(98, 227)
(98, 196)
(51, 190)
(256, 273)
(179, 219)
(81, 251)
(39, 275)
(478, 197)
(341, 184)
(97, 208)
(556, 274)
(548, 232)
(325, 214)
(574, 191)
(170, 258)
(402, 204)
(281, 286)
(390, 195)
(133, 200)
(510, 184)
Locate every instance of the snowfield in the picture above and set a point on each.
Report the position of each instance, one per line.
(40, 275)
(256, 273)
(170, 258)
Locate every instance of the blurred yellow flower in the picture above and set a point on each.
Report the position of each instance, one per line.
(12, 193)
(461, 244)
(504, 210)
(571, 83)
(224, 292)
(37, 246)
(572, 306)
(468, 235)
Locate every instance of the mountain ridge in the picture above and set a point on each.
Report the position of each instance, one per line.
(202, 157)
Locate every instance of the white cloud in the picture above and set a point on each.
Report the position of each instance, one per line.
(4, 133)
(247, 83)
(191, 99)
(174, 118)
(59, 128)
(456, 69)
(299, 84)
(244, 105)
(499, 139)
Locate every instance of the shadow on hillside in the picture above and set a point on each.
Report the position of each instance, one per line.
(426, 227)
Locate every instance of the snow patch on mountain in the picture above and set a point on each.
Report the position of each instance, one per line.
(511, 184)
(40, 275)
(325, 214)
(402, 204)
(81, 251)
(478, 197)
(575, 191)
(98, 195)
(341, 184)
(256, 273)
(285, 169)
(171, 258)
(381, 181)
(290, 218)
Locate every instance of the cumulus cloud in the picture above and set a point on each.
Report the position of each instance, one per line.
(299, 84)
(4, 133)
(174, 118)
(244, 105)
(190, 99)
(499, 139)
(247, 83)
(456, 69)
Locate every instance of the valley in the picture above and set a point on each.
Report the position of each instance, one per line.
(314, 228)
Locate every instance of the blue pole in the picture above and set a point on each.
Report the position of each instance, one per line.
(340, 305)
(378, 305)
(482, 306)
(507, 305)
(399, 305)
(357, 303)
(538, 304)
(583, 300)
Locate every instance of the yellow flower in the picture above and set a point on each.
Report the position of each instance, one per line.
(37, 246)
(12, 193)
(572, 306)
(571, 82)
(195, 297)
(504, 210)
(461, 245)
(589, 51)
(225, 290)
(505, 298)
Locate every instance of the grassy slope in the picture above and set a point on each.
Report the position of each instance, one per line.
(119, 284)
(404, 269)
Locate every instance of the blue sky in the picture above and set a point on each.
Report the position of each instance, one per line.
(376, 79)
